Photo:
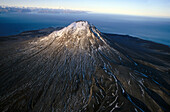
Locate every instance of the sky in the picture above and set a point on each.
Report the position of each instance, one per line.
(159, 8)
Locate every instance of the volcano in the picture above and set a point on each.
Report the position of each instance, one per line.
(78, 68)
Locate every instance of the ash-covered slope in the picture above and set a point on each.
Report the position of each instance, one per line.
(78, 69)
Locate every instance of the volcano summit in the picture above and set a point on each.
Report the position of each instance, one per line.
(78, 68)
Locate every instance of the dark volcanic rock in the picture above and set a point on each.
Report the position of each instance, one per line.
(78, 68)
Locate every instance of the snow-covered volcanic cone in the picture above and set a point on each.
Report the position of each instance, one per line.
(78, 69)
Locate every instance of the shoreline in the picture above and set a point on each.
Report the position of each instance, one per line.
(46, 31)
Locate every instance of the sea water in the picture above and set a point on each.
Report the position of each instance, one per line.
(148, 28)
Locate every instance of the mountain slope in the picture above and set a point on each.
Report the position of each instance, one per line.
(78, 68)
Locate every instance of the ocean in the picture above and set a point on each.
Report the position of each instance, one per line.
(148, 28)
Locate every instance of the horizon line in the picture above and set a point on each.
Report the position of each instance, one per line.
(87, 11)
